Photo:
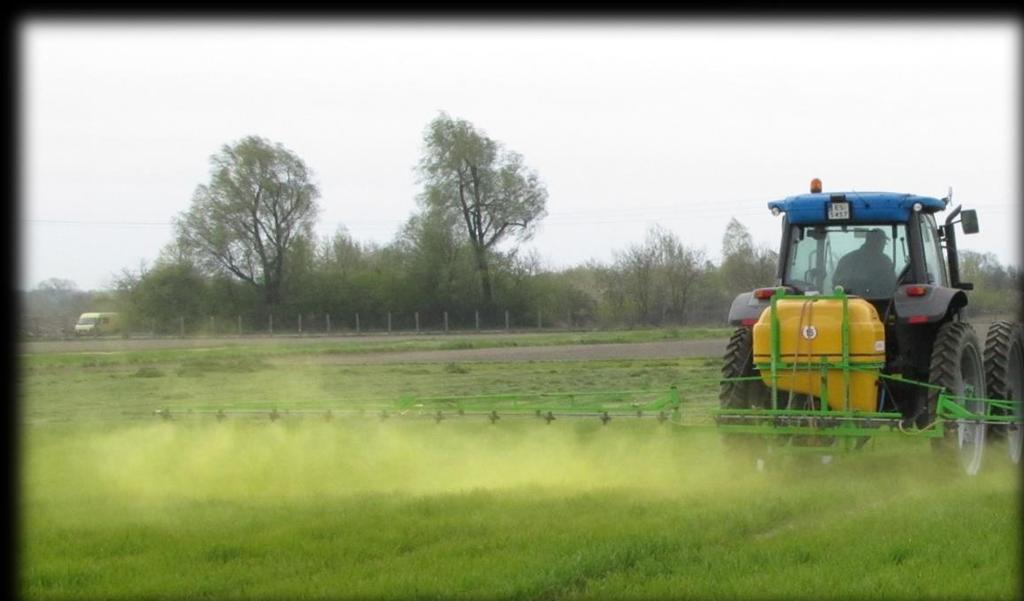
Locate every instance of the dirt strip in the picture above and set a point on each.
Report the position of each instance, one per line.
(668, 349)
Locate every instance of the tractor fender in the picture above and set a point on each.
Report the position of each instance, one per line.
(933, 307)
(745, 307)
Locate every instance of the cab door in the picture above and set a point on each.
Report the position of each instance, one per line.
(934, 269)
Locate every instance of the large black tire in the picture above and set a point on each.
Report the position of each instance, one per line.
(1004, 378)
(739, 363)
(957, 366)
(747, 394)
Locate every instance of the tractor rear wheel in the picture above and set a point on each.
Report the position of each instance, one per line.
(1004, 377)
(957, 367)
(744, 394)
(739, 363)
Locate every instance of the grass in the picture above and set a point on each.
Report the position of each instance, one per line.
(125, 390)
(118, 504)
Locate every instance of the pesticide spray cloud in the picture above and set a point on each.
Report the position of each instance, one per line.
(261, 461)
(313, 459)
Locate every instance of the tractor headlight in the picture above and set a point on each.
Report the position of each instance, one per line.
(917, 207)
(776, 211)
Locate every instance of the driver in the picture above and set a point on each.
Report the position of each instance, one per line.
(867, 270)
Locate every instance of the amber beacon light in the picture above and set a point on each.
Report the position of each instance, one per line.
(815, 186)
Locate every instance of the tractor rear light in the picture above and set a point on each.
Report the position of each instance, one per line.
(749, 321)
(917, 319)
(763, 293)
(917, 290)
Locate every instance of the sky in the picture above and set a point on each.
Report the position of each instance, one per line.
(630, 124)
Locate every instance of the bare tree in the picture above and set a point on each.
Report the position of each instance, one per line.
(679, 269)
(638, 263)
(658, 276)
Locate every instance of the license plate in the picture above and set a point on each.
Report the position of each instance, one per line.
(838, 210)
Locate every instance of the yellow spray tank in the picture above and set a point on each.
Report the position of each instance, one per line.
(810, 331)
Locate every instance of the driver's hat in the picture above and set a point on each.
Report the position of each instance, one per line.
(877, 235)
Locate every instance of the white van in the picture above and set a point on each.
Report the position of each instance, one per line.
(97, 324)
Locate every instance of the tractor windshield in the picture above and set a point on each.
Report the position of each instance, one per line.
(865, 260)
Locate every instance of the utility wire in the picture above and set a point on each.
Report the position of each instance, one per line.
(598, 217)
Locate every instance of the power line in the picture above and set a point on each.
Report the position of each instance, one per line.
(637, 213)
(107, 223)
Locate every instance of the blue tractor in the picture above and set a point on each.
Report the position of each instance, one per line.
(888, 250)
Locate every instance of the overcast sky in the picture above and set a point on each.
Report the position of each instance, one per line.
(682, 124)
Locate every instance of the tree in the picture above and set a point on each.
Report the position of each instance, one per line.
(53, 306)
(737, 240)
(438, 259)
(259, 202)
(657, 277)
(58, 287)
(490, 189)
(166, 292)
(637, 264)
(996, 288)
(679, 269)
(744, 266)
(341, 253)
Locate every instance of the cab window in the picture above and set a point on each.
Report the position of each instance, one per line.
(823, 256)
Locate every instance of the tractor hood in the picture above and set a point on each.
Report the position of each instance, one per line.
(864, 207)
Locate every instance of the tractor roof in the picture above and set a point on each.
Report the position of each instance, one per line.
(865, 207)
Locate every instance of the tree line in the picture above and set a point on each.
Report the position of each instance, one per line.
(426, 270)
(245, 248)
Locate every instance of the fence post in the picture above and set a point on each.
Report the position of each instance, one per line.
(357, 323)
(506, 319)
(213, 325)
(389, 322)
(417, 322)
(181, 327)
(568, 318)
(152, 328)
(239, 325)
(476, 316)
(445, 322)
(300, 323)
(538, 320)
(328, 323)
(271, 324)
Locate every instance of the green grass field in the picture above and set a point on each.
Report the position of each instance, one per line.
(117, 503)
(315, 346)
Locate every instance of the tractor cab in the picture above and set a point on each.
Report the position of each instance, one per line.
(867, 242)
(884, 247)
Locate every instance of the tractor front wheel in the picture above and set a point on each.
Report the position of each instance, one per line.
(1004, 377)
(957, 367)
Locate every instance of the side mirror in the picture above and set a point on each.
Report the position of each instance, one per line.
(969, 221)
